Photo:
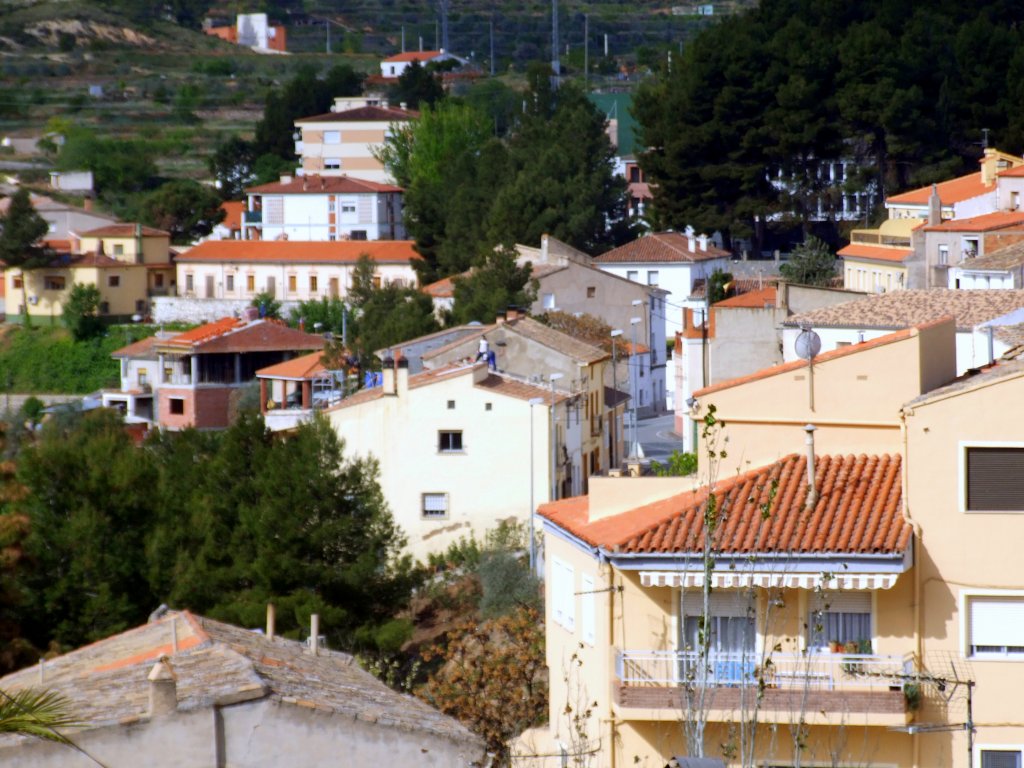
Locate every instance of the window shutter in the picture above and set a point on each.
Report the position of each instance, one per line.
(997, 621)
(1000, 758)
(587, 609)
(843, 602)
(737, 603)
(995, 479)
(435, 503)
(563, 600)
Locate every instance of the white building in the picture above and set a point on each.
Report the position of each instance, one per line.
(393, 67)
(462, 448)
(671, 261)
(316, 207)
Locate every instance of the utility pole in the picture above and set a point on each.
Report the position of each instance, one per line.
(492, 45)
(556, 67)
(403, 38)
(586, 51)
(554, 438)
(443, 7)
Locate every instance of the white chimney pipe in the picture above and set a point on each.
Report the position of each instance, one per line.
(812, 492)
(271, 620)
(314, 634)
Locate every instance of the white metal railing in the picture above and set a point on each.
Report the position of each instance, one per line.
(816, 669)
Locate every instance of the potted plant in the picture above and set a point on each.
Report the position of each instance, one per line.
(912, 693)
(835, 646)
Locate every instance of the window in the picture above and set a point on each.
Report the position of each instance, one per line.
(142, 376)
(332, 137)
(487, 406)
(435, 506)
(652, 277)
(839, 618)
(312, 284)
(634, 174)
(449, 442)
(358, 234)
(118, 249)
(591, 291)
(53, 283)
(632, 274)
(943, 255)
(189, 283)
(970, 247)
(995, 625)
(250, 283)
(993, 479)
(17, 282)
(549, 301)
(588, 619)
(158, 280)
(1015, 205)
(229, 282)
(451, 405)
(563, 599)
(140, 305)
(348, 207)
(1000, 758)
(293, 283)
(176, 406)
(731, 622)
(113, 281)
(332, 163)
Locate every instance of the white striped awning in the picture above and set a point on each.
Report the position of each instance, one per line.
(762, 579)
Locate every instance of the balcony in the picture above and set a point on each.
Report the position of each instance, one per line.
(819, 682)
(252, 217)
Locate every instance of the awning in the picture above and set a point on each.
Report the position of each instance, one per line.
(765, 580)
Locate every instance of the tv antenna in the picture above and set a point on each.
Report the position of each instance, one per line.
(808, 345)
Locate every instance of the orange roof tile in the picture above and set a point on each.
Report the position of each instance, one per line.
(757, 299)
(370, 114)
(314, 184)
(232, 213)
(661, 247)
(206, 331)
(413, 56)
(440, 289)
(302, 252)
(1015, 172)
(984, 223)
(304, 367)
(875, 252)
(952, 191)
(858, 511)
(824, 357)
(141, 348)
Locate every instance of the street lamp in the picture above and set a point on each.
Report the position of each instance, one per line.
(634, 386)
(554, 436)
(533, 531)
(615, 386)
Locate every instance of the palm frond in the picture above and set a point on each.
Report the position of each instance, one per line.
(36, 713)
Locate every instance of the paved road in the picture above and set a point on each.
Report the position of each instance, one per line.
(657, 438)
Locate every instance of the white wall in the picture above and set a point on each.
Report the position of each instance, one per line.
(307, 217)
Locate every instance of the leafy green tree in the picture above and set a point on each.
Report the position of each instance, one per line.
(679, 464)
(185, 208)
(89, 505)
(811, 263)
(232, 166)
(81, 312)
(21, 229)
(118, 165)
(718, 286)
(417, 86)
(363, 280)
(391, 315)
(267, 304)
(186, 101)
(495, 284)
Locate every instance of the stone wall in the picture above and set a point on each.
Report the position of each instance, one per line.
(177, 309)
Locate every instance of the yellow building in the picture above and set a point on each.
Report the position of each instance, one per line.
(128, 263)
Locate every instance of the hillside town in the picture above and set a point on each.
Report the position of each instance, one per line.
(536, 438)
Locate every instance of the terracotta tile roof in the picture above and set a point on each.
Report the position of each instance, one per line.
(520, 390)
(413, 56)
(824, 357)
(663, 247)
(1012, 335)
(875, 252)
(232, 213)
(302, 252)
(1015, 172)
(740, 285)
(62, 246)
(143, 348)
(230, 334)
(952, 191)
(369, 114)
(900, 309)
(983, 223)
(440, 289)
(304, 367)
(1010, 257)
(556, 340)
(758, 299)
(313, 184)
(106, 682)
(123, 230)
(859, 511)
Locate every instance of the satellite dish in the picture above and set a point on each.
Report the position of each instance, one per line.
(808, 344)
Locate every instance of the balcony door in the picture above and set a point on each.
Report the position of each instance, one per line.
(733, 636)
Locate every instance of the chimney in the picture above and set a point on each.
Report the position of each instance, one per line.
(403, 104)
(163, 689)
(934, 207)
(511, 314)
(703, 241)
(87, 204)
(305, 183)
(690, 241)
(990, 332)
(314, 634)
(271, 617)
(388, 376)
(286, 178)
(402, 376)
(812, 492)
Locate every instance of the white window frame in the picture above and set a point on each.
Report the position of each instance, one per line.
(548, 300)
(588, 610)
(966, 595)
(633, 274)
(563, 598)
(943, 255)
(423, 506)
(962, 447)
(979, 748)
(653, 275)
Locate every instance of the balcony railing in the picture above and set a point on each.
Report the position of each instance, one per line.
(252, 217)
(830, 671)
